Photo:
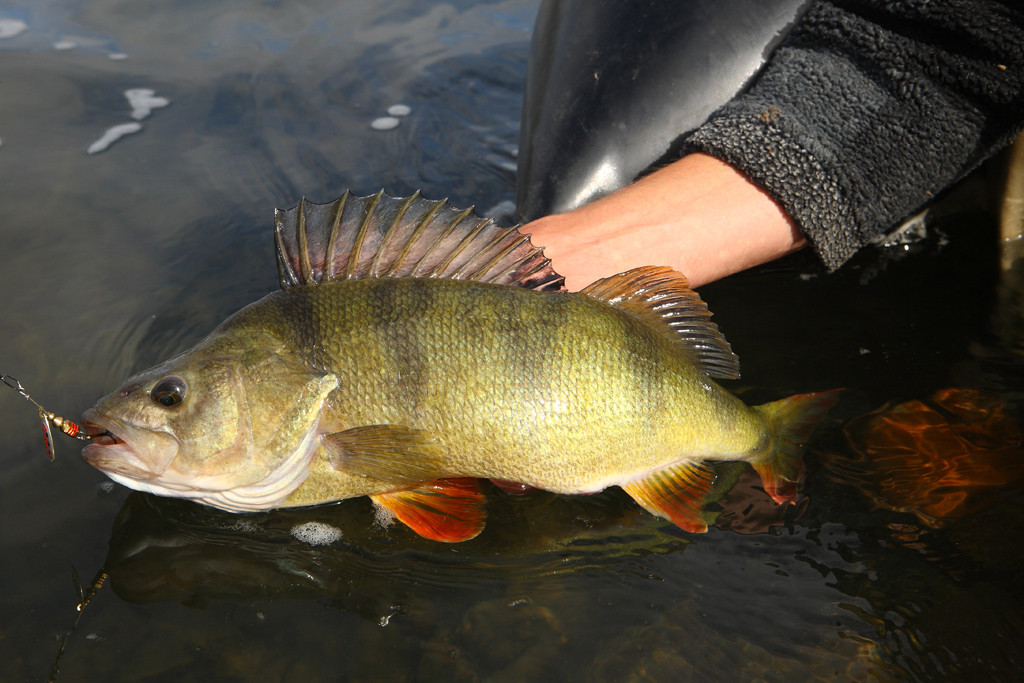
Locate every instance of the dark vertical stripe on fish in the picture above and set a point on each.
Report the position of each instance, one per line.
(561, 327)
(641, 354)
(306, 322)
(393, 333)
(410, 349)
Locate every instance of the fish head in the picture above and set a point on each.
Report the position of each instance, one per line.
(234, 430)
(188, 413)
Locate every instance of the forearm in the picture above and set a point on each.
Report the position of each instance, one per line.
(870, 109)
(697, 215)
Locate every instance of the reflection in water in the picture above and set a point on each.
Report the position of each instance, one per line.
(112, 135)
(951, 467)
(748, 510)
(939, 460)
(575, 559)
(11, 27)
(168, 549)
(164, 549)
(1010, 310)
(142, 102)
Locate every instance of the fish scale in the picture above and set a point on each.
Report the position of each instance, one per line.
(563, 404)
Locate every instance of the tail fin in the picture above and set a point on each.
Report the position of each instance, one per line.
(790, 422)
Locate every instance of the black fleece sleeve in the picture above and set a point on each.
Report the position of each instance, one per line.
(871, 107)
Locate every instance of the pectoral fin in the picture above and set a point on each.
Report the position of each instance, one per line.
(676, 493)
(448, 510)
(391, 453)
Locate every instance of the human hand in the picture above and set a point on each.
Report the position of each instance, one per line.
(697, 215)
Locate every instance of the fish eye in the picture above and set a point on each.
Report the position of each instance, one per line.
(169, 392)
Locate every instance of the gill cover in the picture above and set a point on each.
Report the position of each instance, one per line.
(283, 402)
(231, 426)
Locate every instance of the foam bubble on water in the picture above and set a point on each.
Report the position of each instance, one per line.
(316, 533)
(63, 45)
(117, 56)
(384, 123)
(143, 101)
(245, 526)
(112, 135)
(399, 110)
(383, 516)
(11, 27)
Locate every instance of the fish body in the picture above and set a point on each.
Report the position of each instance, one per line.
(555, 390)
(364, 377)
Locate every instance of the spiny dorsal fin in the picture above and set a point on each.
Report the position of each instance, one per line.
(662, 298)
(382, 236)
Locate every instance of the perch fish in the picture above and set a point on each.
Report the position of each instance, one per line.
(415, 350)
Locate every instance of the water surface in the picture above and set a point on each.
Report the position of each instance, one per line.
(116, 259)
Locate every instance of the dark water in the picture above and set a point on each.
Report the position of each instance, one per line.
(893, 568)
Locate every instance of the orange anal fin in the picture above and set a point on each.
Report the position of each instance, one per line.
(448, 510)
(676, 493)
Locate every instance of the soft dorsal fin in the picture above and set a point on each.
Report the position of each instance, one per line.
(382, 236)
(662, 298)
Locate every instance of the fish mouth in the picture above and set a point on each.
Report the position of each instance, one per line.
(99, 435)
(109, 451)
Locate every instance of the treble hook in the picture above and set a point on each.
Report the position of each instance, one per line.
(63, 424)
